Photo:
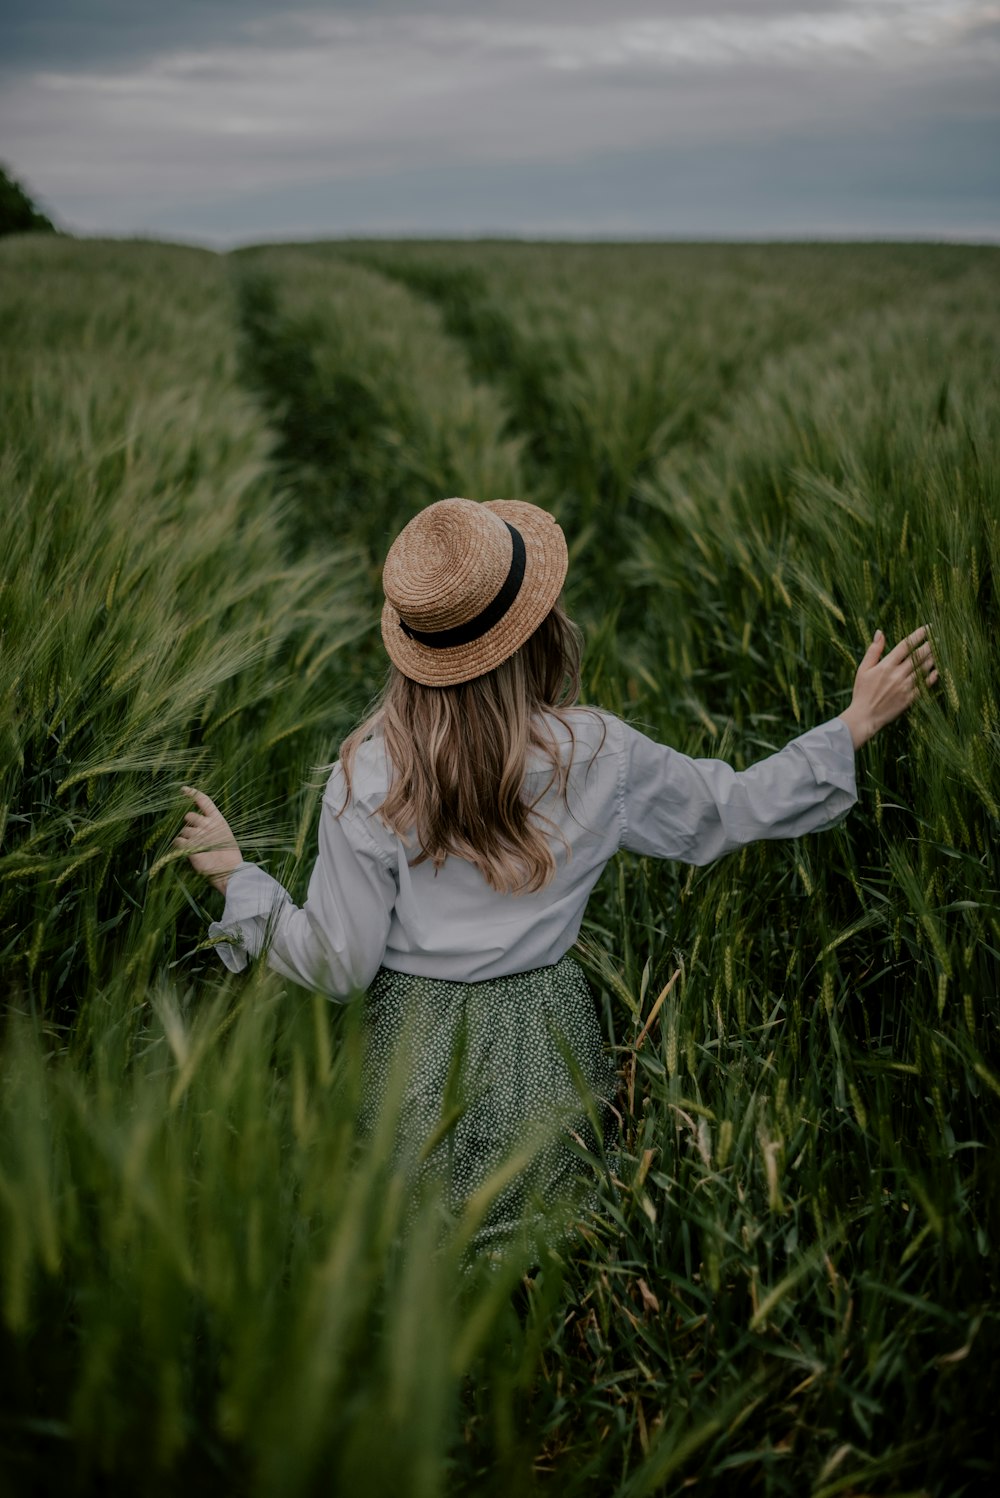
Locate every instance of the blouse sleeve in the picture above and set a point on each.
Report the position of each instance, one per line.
(336, 941)
(697, 809)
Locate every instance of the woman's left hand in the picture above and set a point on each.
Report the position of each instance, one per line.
(208, 840)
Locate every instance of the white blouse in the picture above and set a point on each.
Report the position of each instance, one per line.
(369, 907)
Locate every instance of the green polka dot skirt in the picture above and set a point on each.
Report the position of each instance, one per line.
(486, 1076)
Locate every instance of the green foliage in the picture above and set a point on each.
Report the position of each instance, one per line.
(18, 214)
(153, 617)
(374, 408)
(760, 454)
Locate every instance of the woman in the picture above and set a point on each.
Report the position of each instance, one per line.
(467, 821)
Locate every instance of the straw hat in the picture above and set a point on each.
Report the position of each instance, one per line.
(466, 584)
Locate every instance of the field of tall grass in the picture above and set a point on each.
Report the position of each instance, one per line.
(759, 454)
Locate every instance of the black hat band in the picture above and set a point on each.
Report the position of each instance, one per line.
(474, 629)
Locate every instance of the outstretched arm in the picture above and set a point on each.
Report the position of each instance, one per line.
(695, 810)
(336, 941)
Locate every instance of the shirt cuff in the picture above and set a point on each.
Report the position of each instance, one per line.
(829, 750)
(254, 900)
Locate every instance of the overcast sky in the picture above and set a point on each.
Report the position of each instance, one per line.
(225, 121)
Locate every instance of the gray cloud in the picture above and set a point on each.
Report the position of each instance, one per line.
(68, 33)
(206, 110)
(809, 187)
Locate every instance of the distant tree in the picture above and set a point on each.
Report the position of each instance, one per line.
(18, 214)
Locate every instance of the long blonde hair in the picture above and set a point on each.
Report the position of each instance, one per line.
(459, 756)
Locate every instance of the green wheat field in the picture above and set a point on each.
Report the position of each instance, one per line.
(760, 454)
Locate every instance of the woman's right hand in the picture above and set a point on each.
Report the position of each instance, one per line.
(884, 689)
